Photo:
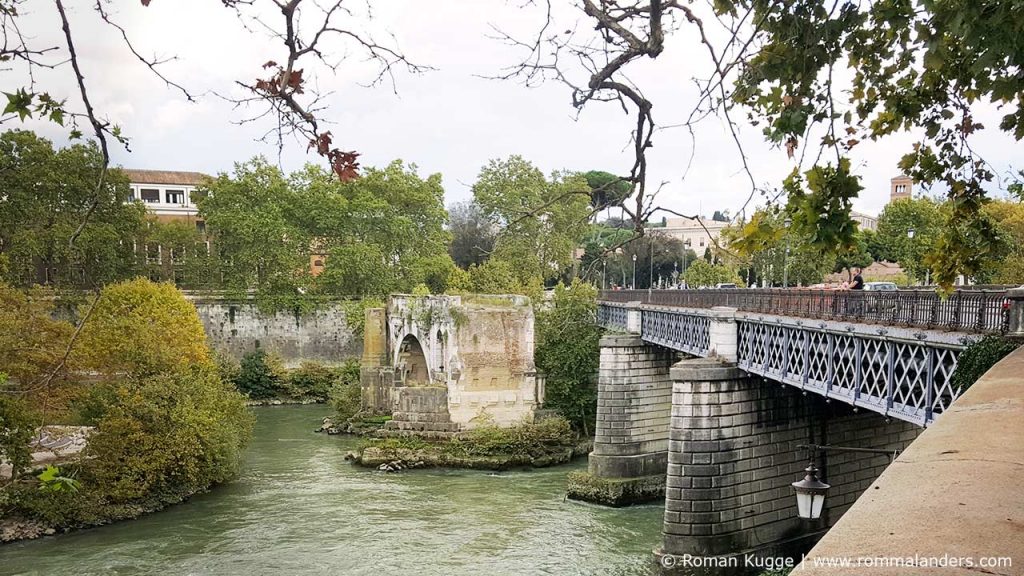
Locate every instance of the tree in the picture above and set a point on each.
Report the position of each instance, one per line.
(541, 221)
(701, 274)
(1006, 266)
(924, 217)
(918, 66)
(567, 353)
(46, 195)
(775, 253)
(392, 219)
(254, 220)
(472, 235)
(606, 189)
(140, 327)
(857, 256)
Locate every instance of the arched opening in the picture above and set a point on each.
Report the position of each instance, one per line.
(439, 351)
(413, 361)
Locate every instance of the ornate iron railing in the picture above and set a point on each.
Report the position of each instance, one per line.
(964, 310)
(676, 330)
(612, 317)
(906, 380)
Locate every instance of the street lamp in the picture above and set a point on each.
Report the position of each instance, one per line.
(604, 272)
(633, 287)
(810, 494)
(785, 259)
(650, 274)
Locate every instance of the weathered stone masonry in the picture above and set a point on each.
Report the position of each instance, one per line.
(631, 438)
(733, 455)
(237, 327)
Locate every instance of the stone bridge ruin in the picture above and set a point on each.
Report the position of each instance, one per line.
(441, 364)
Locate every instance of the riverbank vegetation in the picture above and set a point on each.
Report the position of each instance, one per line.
(263, 378)
(134, 372)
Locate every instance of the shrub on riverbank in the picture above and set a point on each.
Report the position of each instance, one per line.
(262, 376)
(568, 353)
(345, 392)
(166, 426)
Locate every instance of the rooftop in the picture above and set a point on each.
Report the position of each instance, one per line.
(166, 177)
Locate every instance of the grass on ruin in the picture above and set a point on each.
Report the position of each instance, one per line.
(526, 439)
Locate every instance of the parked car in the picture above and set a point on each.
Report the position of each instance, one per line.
(725, 285)
(880, 286)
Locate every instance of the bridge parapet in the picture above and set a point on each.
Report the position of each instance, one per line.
(986, 311)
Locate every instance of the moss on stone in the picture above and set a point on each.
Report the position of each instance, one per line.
(615, 491)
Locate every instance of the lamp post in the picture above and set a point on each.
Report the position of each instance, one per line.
(633, 287)
(604, 272)
(650, 273)
(785, 258)
(810, 492)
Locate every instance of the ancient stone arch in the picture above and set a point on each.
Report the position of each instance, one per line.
(469, 358)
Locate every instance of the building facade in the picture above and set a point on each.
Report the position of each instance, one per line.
(696, 234)
(168, 195)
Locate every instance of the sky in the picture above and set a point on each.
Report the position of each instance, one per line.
(451, 119)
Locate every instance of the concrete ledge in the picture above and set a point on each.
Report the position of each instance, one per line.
(614, 491)
(621, 341)
(632, 466)
(954, 493)
(704, 370)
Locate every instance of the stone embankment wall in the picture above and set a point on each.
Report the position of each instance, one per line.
(237, 327)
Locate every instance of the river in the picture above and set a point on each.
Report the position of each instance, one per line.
(298, 508)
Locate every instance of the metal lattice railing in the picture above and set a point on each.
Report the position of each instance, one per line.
(965, 310)
(906, 380)
(676, 330)
(612, 317)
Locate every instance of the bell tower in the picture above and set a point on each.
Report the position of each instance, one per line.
(901, 187)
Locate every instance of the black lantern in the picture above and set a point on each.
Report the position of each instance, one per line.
(810, 494)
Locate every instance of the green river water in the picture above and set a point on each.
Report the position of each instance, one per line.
(298, 508)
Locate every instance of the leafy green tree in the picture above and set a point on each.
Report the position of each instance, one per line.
(389, 223)
(701, 274)
(1006, 266)
(541, 220)
(47, 194)
(568, 353)
(761, 246)
(898, 218)
(606, 189)
(472, 235)
(857, 256)
(141, 327)
(253, 217)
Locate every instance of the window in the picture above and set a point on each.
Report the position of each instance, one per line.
(177, 255)
(200, 226)
(153, 253)
(175, 196)
(131, 195)
(701, 242)
(150, 195)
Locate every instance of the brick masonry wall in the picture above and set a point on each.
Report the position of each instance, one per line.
(733, 456)
(634, 401)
